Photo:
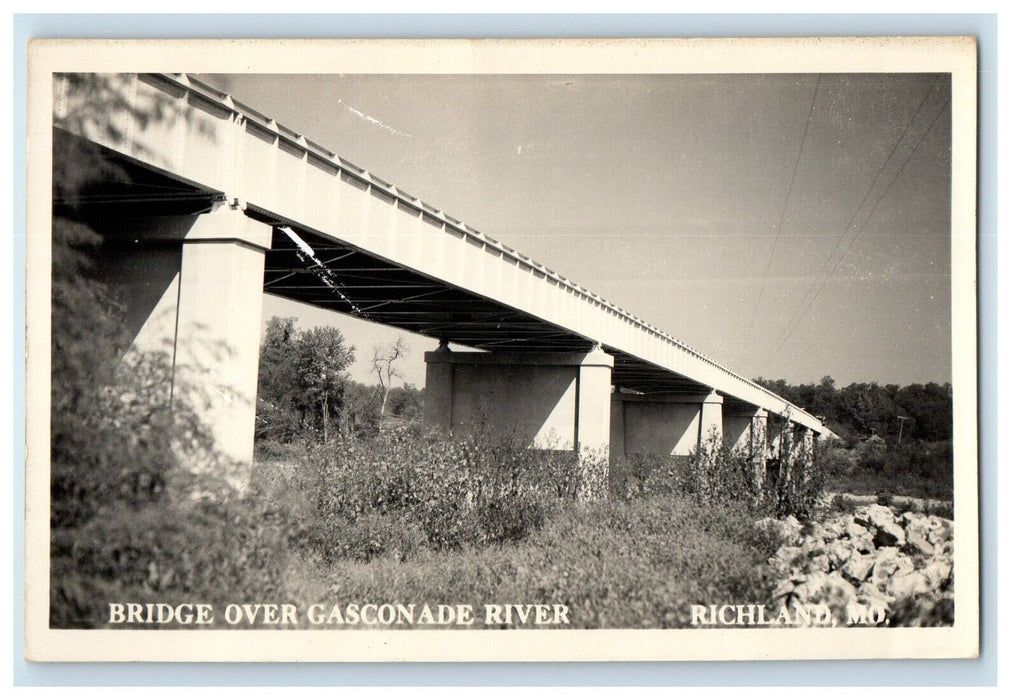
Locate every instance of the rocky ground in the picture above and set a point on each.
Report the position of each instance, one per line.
(898, 564)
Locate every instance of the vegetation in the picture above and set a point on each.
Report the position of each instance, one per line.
(301, 380)
(407, 517)
(305, 392)
(356, 509)
(352, 501)
(621, 564)
(918, 412)
(894, 440)
(917, 469)
(384, 364)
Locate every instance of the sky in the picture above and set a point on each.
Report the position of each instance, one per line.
(788, 226)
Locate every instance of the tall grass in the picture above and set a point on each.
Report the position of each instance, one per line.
(406, 490)
(917, 469)
(413, 518)
(632, 564)
(715, 475)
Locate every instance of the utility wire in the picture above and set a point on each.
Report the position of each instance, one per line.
(848, 226)
(862, 202)
(795, 319)
(784, 208)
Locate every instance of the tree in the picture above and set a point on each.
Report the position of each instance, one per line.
(278, 414)
(360, 410)
(406, 402)
(322, 359)
(860, 410)
(115, 438)
(301, 379)
(384, 365)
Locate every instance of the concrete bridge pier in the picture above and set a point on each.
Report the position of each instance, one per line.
(804, 441)
(196, 300)
(666, 424)
(711, 421)
(555, 401)
(746, 433)
(219, 315)
(796, 450)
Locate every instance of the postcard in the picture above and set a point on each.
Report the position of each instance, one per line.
(501, 350)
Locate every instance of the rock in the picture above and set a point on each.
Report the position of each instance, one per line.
(944, 550)
(941, 530)
(837, 591)
(812, 587)
(881, 519)
(875, 515)
(820, 563)
(842, 523)
(871, 556)
(889, 534)
(786, 588)
(858, 567)
(786, 556)
(788, 529)
(839, 552)
(908, 585)
(890, 562)
(915, 537)
(938, 572)
(829, 531)
(855, 529)
(885, 554)
(863, 543)
(812, 544)
(869, 593)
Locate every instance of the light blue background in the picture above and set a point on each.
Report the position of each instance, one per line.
(982, 671)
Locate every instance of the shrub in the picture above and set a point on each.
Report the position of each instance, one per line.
(113, 436)
(203, 550)
(800, 487)
(923, 462)
(918, 469)
(276, 451)
(835, 461)
(642, 475)
(720, 475)
(448, 494)
(124, 520)
(871, 455)
(510, 519)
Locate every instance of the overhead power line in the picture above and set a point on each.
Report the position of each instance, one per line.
(862, 202)
(784, 208)
(807, 302)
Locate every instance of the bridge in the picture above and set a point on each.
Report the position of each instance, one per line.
(216, 203)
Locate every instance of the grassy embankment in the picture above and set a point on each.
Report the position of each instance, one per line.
(916, 469)
(412, 520)
(405, 518)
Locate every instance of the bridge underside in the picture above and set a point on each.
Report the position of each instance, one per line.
(195, 262)
(368, 287)
(360, 284)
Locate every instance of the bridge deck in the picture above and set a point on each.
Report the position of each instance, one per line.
(378, 252)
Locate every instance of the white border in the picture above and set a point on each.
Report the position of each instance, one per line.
(953, 55)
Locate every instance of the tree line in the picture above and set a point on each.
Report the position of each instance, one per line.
(304, 387)
(917, 412)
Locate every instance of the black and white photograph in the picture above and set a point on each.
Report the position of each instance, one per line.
(502, 350)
